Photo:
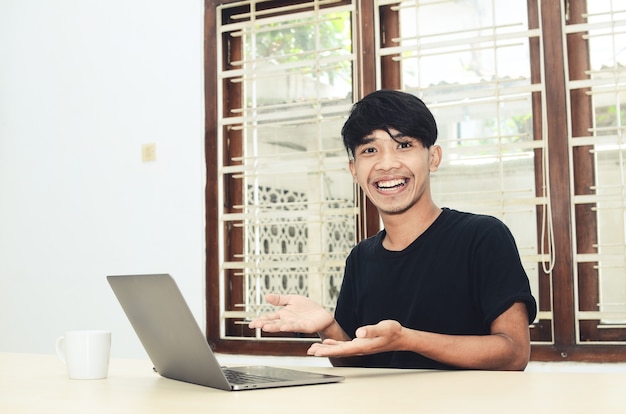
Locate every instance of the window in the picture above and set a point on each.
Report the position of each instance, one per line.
(287, 211)
(532, 132)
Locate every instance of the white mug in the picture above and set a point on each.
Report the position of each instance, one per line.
(85, 353)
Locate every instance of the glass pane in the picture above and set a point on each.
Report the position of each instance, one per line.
(611, 170)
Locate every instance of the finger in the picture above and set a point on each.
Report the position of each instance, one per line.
(369, 331)
(275, 325)
(336, 349)
(312, 349)
(266, 326)
(271, 327)
(256, 323)
(361, 333)
(262, 320)
(276, 299)
(316, 349)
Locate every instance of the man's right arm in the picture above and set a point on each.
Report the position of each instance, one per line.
(300, 314)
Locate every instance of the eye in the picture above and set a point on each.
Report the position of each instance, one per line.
(368, 150)
(405, 144)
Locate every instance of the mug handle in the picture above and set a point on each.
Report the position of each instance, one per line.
(61, 348)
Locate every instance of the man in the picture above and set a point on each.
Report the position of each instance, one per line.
(437, 288)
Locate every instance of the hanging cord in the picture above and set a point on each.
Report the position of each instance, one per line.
(546, 219)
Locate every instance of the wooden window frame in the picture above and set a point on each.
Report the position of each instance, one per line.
(559, 292)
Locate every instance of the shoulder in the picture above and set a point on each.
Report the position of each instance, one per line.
(369, 245)
(468, 220)
(476, 228)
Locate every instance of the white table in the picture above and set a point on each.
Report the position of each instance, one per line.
(31, 383)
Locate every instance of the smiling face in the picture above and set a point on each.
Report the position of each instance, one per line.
(394, 171)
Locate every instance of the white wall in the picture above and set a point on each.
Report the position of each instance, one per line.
(83, 84)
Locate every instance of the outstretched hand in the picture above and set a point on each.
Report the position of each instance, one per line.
(372, 339)
(298, 314)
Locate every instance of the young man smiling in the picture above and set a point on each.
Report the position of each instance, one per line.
(436, 288)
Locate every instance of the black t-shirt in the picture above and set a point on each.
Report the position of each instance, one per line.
(456, 278)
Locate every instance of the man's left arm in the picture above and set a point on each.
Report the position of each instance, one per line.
(507, 347)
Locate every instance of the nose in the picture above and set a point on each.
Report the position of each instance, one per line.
(387, 160)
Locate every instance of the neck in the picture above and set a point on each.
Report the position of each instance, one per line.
(403, 229)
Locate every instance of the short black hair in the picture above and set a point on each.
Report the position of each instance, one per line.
(386, 109)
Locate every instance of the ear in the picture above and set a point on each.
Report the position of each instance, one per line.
(435, 157)
(352, 169)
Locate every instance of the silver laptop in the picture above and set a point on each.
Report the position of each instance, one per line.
(177, 347)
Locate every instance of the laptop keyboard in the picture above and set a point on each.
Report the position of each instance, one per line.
(238, 377)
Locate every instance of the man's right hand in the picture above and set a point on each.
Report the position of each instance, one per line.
(298, 314)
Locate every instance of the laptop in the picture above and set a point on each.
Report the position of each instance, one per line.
(177, 347)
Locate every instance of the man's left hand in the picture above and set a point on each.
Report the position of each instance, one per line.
(370, 339)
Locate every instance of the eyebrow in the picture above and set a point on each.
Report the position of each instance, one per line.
(368, 139)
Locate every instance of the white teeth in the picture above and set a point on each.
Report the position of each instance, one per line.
(390, 183)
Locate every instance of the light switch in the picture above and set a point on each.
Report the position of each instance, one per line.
(148, 152)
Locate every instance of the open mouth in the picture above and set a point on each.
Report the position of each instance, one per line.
(391, 184)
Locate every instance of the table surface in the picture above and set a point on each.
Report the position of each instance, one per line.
(33, 383)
